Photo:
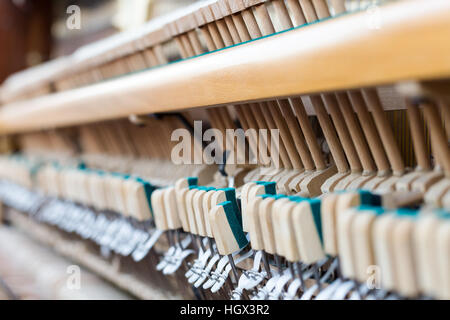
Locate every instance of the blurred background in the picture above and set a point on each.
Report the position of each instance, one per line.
(33, 31)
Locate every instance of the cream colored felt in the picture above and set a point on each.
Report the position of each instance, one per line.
(171, 209)
(158, 210)
(265, 213)
(344, 222)
(254, 224)
(437, 191)
(75, 186)
(197, 204)
(344, 183)
(273, 174)
(218, 196)
(77, 180)
(360, 181)
(423, 183)
(71, 185)
(136, 200)
(130, 188)
(443, 249)
(244, 201)
(182, 210)
(406, 276)
(50, 181)
(446, 201)
(108, 193)
(277, 211)
(284, 229)
(405, 182)
(253, 192)
(207, 205)
(294, 184)
(269, 174)
(41, 179)
(373, 183)
(311, 184)
(426, 253)
(225, 241)
(361, 231)
(97, 190)
(347, 200)
(58, 188)
(287, 177)
(110, 185)
(329, 185)
(388, 185)
(181, 188)
(64, 182)
(188, 201)
(383, 249)
(81, 182)
(329, 228)
(277, 175)
(118, 194)
(306, 234)
(86, 196)
(252, 175)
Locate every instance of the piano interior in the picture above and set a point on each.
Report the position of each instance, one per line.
(245, 150)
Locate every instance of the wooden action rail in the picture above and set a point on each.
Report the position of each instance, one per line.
(305, 60)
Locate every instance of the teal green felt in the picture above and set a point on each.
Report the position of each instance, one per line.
(403, 212)
(235, 224)
(192, 181)
(275, 196)
(148, 190)
(230, 195)
(442, 214)
(315, 209)
(376, 209)
(297, 198)
(82, 165)
(369, 198)
(270, 188)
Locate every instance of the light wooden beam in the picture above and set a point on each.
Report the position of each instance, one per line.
(342, 53)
